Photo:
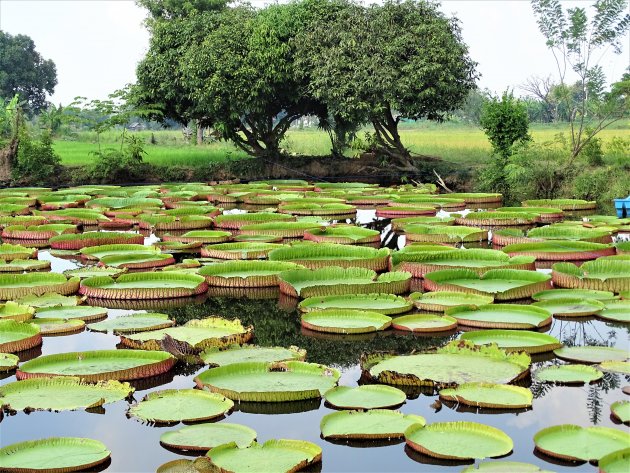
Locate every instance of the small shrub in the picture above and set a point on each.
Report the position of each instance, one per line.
(36, 160)
(593, 152)
(124, 165)
(592, 184)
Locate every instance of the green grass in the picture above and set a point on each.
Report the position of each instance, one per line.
(456, 143)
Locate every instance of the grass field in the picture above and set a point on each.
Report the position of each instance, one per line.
(452, 142)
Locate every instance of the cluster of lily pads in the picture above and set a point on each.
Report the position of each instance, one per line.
(448, 270)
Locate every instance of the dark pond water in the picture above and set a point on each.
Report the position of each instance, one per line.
(135, 446)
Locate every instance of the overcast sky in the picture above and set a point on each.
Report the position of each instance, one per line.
(96, 44)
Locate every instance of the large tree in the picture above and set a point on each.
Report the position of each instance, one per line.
(578, 43)
(25, 72)
(385, 63)
(243, 75)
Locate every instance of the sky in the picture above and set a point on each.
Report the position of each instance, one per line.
(96, 44)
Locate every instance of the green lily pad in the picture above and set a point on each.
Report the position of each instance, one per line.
(492, 396)
(372, 424)
(368, 396)
(102, 251)
(573, 293)
(504, 467)
(591, 354)
(514, 340)
(508, 316)
(221, 356)
(269, 382)
(503, 284)
(21, 265)
(574, 443)
(622, 367)
(345, 321)
(93, 271)
(442, 300)
(618, 312)
(13, 286)
(133, 323)
(621, 411)
(458, 440)
(99, 365)
(58, 326)
(571, 307)
(386, 304)
(321, 255)
(286, 456)
(61, 394)
(8, 362)
(204, 437)
(616, 462)
(144, 285)
(568, 374)
(249, 273)
(343, 234)
(240, 250)
(603, 274)
(196, 334)
(17, 312)
(424, 323)
(81, 312)
(176, 405)
(454, 364)
(137, 260)
(55, 454)
(50, 299)
(18, 336)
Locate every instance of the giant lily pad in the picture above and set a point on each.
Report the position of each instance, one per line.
(17, 312)
(571, 307)
(454, 364)
(10, 252)
(622, 367)
(601, 275)
(504, 467)
(239, 250)
(345, 321)
(82, 312)
(561, 250)
(53, 455)
(133, 323)
(21, 265)
(8, 362)
(386, 304)
(497, 219)
(50, 299)
(101, 251)
(458, 440)
(423, 323)
(163, 285)
(245, 273)
(492, 396)
(61, 394)
(332, 254)
(443, 300)
(616, 462)
(563, 204)
(509, 316)
(204, 437)
(269, 382)
(99, 365)
(340, 281)
(368, 396)
(617, 311)
(343, 234)
(94, 271)
(286, 456)
(138, 260)
(236, 221)
(49, 326)
(196, 335)
(568, 374)
(514, 340)
(621, 411)
(283, 229)
(176, 405)
(573, 294)
(592, 354)
(420, 261)
(372, 424)
(444, 234)
(17, 336)
(221, 356)
(13, 286)
(37, 232)
(572, 442)
(76, 241)
(503, 284)
(200, 236)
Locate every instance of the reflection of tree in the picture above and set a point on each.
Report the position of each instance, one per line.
(276, 327)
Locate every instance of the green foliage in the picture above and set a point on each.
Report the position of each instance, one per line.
(578, 42)
(120, 165)
(25, 72)
(36, 160)
(592, 151)
(592, 184)
(505, 123)
(9, 119)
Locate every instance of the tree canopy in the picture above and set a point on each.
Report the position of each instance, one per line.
(25, 72)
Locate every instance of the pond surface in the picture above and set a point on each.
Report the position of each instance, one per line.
(135, 446)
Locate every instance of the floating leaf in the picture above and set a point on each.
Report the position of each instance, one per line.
(18, 336)
(509, 316)
(492, 396)
(345, 321)
(372, 424)
(424, 323)
(571, 307)
(622, 367)
(146, 285)
(616, 462)
(568, 374)
(621, 411)
(8, 362)
(368, 396)
(386, 304)
(504, 467)
(514, 340)
(176, 405)
(221, 356)
(133, 323)
(204, 437)
(442, 300)
(82, 312)
(591, 354)
(574, 443)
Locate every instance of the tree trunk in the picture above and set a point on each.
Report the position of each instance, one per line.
(199, 133)
(8, 155)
